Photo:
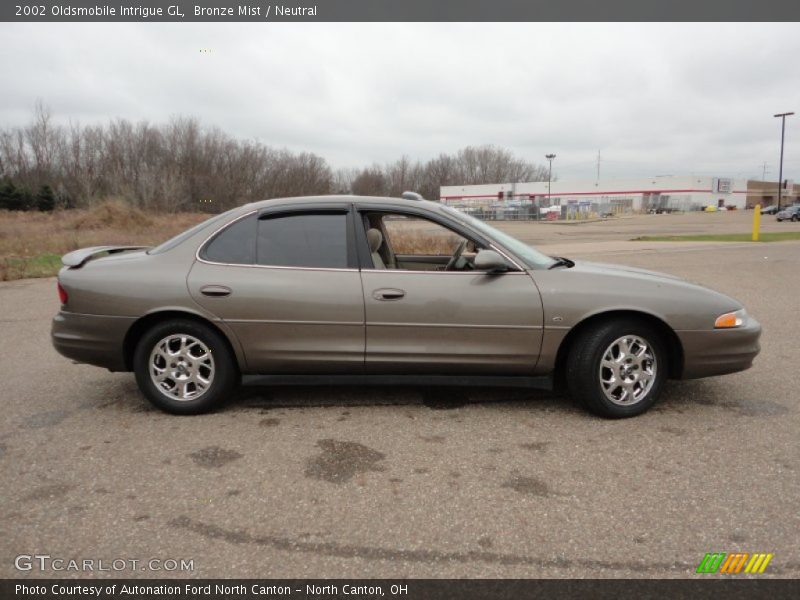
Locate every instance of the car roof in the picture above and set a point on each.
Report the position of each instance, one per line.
(339, 198)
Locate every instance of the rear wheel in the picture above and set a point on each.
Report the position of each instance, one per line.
(616, 369)
(185, 367)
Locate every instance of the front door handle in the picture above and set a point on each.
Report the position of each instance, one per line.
(215, 291)
(388, 294)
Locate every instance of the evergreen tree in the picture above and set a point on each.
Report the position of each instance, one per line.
(14, 198)
(22, 199)
(6, 194)
(45, 199)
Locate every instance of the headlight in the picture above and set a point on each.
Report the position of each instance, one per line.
(731, 319)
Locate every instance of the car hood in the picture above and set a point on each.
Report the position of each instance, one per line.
(611, 269)
(588, 288)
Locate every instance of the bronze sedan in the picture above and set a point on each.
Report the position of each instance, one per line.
(387, 290)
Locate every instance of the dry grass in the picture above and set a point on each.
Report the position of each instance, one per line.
(418, 236)
(31, 243)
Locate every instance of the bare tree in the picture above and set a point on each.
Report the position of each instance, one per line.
(184, 166)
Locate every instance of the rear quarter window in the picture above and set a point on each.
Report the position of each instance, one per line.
(236, 244)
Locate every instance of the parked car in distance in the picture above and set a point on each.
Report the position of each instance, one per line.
(363, 287)
(790, 213)
(769, 210)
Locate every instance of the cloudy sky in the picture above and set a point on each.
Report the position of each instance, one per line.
(654, 99)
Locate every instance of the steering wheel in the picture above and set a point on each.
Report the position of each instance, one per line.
(451, 264)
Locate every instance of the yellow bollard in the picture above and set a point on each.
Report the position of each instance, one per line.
(756, 221)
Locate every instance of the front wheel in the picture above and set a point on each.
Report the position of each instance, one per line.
(616, 369)
(185, 367)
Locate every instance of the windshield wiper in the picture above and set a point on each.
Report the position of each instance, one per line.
(561, 262)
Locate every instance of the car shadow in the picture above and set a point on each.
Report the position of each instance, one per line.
(677, 397)
(434, 397)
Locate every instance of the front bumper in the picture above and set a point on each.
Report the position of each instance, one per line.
(92, 339)
(719, 351)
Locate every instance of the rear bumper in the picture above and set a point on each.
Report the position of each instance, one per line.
(91, 339)
(719, 351)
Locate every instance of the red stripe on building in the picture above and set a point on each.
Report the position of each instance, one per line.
(597, 193)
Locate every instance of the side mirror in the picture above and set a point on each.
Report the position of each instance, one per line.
(490, 261)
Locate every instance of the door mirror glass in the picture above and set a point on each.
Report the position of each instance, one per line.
(491, 261)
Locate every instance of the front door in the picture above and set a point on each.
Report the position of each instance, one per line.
(426, 313)
(288, 286)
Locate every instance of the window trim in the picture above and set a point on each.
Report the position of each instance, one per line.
(287, 211)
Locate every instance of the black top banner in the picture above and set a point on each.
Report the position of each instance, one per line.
(402, 10)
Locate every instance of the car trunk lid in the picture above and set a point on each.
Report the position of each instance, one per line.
(78, 258)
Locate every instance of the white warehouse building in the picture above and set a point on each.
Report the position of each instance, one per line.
(575, 199)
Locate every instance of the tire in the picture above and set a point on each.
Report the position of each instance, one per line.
(196, 369)
(794, 218)
(593, 385)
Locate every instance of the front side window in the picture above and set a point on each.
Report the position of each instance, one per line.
(303, 240)
(413, 243)
(416, 236)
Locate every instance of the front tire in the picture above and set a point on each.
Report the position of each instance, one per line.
(616, 369)
(184, 367)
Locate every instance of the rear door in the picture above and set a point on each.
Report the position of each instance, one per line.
(287, 283)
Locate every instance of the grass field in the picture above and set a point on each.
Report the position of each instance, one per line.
(774, 236)
(32, 243)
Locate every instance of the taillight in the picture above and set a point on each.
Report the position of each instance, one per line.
(62, 293)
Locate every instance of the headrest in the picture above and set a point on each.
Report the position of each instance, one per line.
(374, 239)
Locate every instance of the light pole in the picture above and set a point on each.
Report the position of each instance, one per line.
(549, 157)
(780, 169)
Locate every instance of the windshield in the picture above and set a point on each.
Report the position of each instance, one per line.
(528, 254)
(181, 237)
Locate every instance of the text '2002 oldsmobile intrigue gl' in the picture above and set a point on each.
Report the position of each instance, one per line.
(382, 288)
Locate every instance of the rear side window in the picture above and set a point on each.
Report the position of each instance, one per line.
(303, 240)
(234, 245)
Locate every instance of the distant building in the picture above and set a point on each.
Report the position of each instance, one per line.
(765, 193)
(578, 199)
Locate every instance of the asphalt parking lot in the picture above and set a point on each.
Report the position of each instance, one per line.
(410, 482)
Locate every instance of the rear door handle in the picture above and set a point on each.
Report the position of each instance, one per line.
(388, 294)
(215, 291)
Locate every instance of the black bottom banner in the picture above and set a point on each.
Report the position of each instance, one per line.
(413, 589)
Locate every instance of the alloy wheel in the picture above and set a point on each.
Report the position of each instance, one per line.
(628, 370)
(181, 367)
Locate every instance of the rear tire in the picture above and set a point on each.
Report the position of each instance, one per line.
(184, 367)
(616, 369)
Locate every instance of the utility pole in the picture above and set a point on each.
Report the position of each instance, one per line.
(549, 157)
(780, 168)
(598, 166)
(764, 172)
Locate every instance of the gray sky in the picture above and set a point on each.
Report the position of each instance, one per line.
(655, 99)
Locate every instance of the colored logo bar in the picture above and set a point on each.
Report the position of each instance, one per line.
(734, 563)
